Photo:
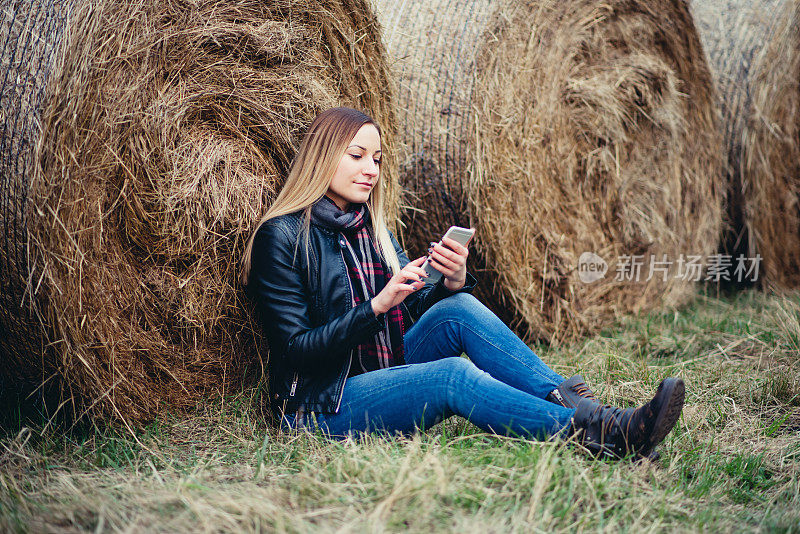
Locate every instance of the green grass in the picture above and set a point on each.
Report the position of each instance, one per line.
(731, 464)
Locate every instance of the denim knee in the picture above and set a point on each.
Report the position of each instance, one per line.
(460, 305)
(459, 372)
(466, 300)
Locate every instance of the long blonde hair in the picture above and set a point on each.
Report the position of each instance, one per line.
(310, 176)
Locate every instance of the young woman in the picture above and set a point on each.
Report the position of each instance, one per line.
(360, 342)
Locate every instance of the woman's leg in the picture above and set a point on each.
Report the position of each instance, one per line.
(460, 323)
(407, 397)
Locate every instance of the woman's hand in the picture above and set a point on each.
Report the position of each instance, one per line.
(396, 289)
(450, 258)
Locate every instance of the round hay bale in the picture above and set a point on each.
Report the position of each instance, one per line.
(167, 128)
(734, 34)
(558, 129)
(772, 158)
(30, 33)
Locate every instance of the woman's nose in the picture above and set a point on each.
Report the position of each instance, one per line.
(371, 169)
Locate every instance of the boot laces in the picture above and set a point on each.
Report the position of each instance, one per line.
(583, 391)
(614, 424)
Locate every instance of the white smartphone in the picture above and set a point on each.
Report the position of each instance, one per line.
(456, 233)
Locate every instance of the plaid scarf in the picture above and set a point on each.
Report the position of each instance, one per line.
(368, 275)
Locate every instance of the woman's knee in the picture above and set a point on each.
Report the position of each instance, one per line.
(459, 372)
(462, 379)
(461, 306)
(463, 299)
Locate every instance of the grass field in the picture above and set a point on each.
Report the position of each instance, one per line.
(732, 464)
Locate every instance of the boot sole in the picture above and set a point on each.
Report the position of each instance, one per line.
(674, 393)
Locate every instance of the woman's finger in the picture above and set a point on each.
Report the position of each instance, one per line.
(449, 254)
(406, 275)
(405, 289)
(447, 272)
(406, 280)
(455, 246)
(418, 270)
(443, 261)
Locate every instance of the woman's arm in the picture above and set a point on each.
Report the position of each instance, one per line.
(280, 293)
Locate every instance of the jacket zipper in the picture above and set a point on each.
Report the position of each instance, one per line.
(408, 314)
(294, 385)
(341, 392)
(350, 358)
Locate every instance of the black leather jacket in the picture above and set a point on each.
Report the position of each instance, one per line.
(307, 312)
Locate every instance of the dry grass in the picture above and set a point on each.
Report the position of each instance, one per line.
(557, 128)
(739, 358)
(731, 465)
(167, 129)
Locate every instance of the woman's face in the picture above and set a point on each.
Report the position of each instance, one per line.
(358, 170)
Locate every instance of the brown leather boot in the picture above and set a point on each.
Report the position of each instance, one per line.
(610, 431)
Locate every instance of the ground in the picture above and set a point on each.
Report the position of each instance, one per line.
(731, 464)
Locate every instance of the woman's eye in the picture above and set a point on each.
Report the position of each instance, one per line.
(377, 161)
(355, 156)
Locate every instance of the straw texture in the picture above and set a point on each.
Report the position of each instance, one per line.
(558, 128)
(167, 128)
(734, 34)
(772, 160)
(30, 33)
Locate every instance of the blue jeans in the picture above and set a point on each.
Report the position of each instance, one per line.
(501, 388)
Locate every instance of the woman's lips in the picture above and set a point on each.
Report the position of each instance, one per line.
(365, 185)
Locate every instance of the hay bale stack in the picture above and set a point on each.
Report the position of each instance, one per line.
(772, 159)
(558, 128)
(167, 129)
(734, 34)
